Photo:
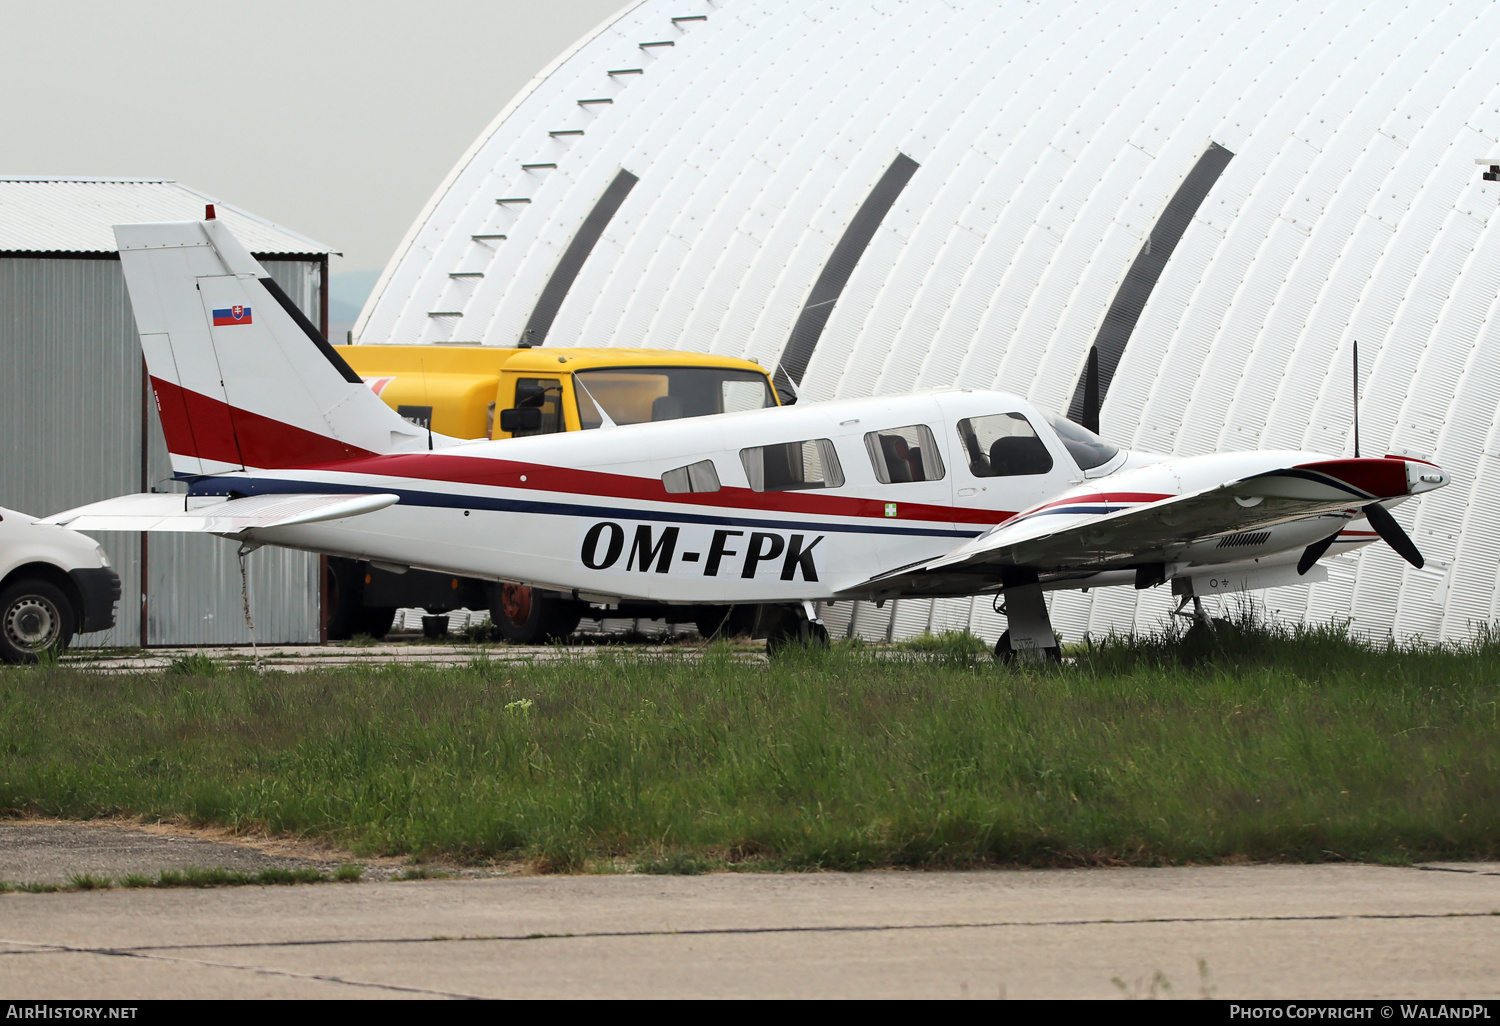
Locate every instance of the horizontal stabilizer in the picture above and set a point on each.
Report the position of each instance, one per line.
(167, 512)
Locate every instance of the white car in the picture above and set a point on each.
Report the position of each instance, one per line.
(54, 583)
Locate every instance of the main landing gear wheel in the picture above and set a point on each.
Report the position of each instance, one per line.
(35, 617)
(793, 627)
(525, 616)
(1005, 654)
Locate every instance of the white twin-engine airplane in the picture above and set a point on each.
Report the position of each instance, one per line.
(946, 492)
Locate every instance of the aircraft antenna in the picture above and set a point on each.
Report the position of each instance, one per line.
(790, 384)
(1356, 398)
(422, 363)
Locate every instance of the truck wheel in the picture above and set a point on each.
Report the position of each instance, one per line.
(346, 590)
(525, 616)
(376, 621)
(35, 617)
(724, 621)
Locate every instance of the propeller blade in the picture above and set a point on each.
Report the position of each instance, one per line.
(1314, 552)
(1380, 518)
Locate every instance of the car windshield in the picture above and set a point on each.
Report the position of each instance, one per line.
(635, 395)
(1087, 449)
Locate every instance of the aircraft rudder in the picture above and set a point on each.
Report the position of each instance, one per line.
(242, 376)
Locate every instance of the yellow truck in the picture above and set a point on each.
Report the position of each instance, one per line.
(493, 392)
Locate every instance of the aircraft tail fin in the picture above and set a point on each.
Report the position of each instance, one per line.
(242, 378)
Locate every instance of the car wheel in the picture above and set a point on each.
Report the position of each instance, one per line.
(35, 617)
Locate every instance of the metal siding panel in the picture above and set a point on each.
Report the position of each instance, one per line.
(873, 623)
(1474, 588)
(953, 614)
(1332, 600)
(837, 617)
(1070, 616)
(195, 594)
(70, 403)
(912, 617)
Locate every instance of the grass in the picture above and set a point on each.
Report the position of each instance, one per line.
(192, 876)
(194, 664)
(1254, 744)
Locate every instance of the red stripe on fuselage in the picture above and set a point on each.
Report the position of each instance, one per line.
(497, 473)
(202, 427)
(199, 426)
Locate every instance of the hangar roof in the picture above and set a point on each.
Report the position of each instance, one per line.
(876, 196)
(75, 215)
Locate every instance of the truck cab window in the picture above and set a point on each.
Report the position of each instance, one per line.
(544, 394)
(904, 454)
(638, 395)
(792, 466)
(1003, 445)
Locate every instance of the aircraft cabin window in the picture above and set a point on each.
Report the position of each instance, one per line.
(695, 477)
(1087, 449)
(904, 454)
(1004, 445)
(792, 466)
(543, 394)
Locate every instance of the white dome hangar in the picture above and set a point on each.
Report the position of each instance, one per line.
(887, 195)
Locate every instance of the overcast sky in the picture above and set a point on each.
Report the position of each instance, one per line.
(336, 118)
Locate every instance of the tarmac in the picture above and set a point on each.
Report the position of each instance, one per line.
(1255, 931)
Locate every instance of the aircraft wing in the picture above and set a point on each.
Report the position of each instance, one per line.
(168, 512)
(1094, 529)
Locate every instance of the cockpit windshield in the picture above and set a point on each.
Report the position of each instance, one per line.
(636, 395)
(1087, 449)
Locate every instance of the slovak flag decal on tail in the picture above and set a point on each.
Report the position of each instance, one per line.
(233, 315)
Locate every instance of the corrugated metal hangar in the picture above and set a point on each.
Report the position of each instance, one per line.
(76, 421)
(876, 195)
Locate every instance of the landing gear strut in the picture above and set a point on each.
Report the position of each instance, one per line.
(1199, 615)
(1028, 636)
(1205, 631)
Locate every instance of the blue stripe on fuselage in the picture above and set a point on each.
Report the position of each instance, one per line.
(442, 500)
